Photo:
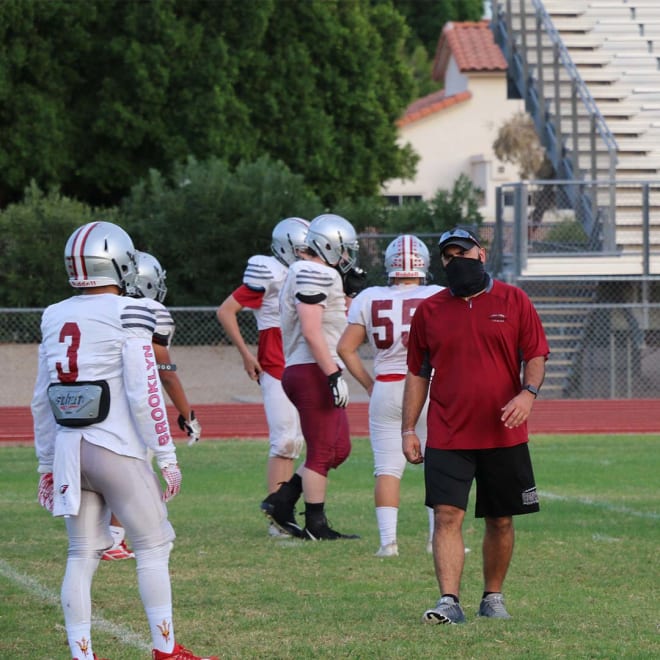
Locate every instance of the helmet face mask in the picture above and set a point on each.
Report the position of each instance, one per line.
(407, 257)
(334, 239)
(100, 254)
(149, 279)
(288, 237)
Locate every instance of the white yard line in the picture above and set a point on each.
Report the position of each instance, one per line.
(588, 501)
(34, 587)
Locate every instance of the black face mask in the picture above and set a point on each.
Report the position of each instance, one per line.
(466, 276)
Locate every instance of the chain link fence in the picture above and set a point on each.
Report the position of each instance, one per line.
(604, 336)
(604, 333)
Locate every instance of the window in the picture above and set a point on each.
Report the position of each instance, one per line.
(400, 200)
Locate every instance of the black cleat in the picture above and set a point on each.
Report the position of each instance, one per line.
(321, 531)
(282, 514)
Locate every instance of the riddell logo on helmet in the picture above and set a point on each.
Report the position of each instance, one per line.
(83, 284)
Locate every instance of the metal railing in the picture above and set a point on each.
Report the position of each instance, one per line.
(546, 219)
(542, 71)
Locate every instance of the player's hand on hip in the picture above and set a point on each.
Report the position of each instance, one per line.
(339, 389)
(172, 476)
(46, 489)
(192, 427)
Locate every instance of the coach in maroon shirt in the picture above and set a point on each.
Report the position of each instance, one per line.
(476, 338)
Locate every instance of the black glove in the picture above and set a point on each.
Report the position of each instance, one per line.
(339, 389)
(355, 280)
(191, 426)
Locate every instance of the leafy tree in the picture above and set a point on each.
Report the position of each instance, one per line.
(158, 85)
(422, 67)
(40, 46)
(33, 234)
(96, 93)
(205, 220)
(518, 142)
(426, 18)
(325, 91)
(448, 208)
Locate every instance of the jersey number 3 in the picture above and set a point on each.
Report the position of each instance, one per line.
(71, 332)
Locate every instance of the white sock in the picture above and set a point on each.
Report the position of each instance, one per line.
(118, 534)
(162, 628)
(387, 517)
(156, 594)
(80, 641)
(77, 604)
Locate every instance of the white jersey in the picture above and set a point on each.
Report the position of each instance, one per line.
(386, 313)
(165, 326)
(102, 337)
(317, 283)
(266, 274)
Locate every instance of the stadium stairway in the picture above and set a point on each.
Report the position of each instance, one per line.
(563, 308)
(615, 48)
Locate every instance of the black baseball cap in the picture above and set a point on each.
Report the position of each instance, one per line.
(464, 238)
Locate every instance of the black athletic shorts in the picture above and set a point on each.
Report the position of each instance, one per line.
(504, 476)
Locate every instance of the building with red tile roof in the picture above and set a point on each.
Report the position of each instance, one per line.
(471, 45)
(452, 130)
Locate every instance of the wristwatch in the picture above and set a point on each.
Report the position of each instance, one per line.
(532, 389)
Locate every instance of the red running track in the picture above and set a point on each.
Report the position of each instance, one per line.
(247, 420)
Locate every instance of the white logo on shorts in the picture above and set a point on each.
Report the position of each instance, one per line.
(530, 496)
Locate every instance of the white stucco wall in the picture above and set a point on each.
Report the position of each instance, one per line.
(459, 139)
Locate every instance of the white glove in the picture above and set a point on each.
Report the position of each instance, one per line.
(191, 426)
(172, 476)
(339, 389)
(46, 490)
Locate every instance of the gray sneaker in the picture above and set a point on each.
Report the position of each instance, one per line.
(445, 611)
(492, 606)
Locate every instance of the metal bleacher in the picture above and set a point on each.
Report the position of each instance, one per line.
(589, 72)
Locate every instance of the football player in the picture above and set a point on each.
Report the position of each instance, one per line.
(381, 315)
(313, 306)
(99, 411)
(149, 285)
(262, 280)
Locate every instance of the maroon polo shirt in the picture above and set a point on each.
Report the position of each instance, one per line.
(476, 348)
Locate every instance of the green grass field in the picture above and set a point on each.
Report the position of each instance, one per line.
(584, 581)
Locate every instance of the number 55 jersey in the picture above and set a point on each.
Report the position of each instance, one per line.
(386, 313)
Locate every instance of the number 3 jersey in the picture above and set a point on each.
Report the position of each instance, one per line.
(386, 313)
(108, 338)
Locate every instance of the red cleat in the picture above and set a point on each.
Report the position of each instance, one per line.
(180, 653)
(120, 551)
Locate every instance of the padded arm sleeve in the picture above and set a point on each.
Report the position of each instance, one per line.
(147, 402)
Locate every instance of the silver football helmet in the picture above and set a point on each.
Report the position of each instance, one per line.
(334, 239)
(407, 256)
(288, 237)
(150, 278)
(99, 254)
